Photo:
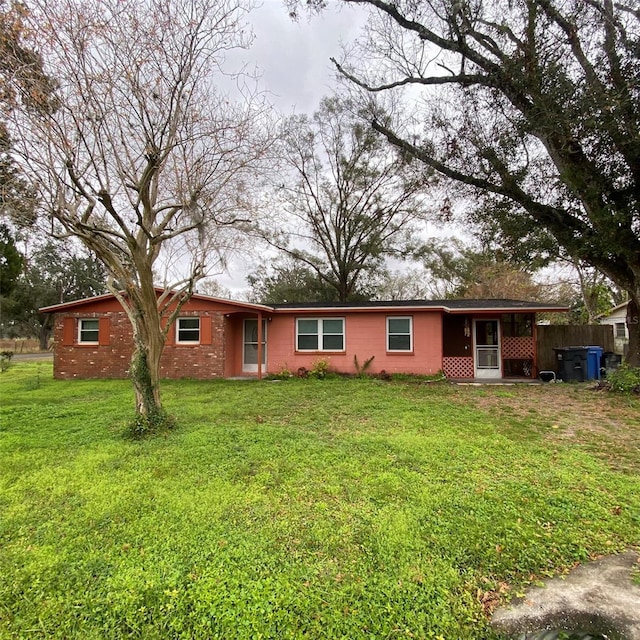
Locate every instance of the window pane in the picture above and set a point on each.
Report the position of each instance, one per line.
(332, 326)
(251, 331)
(307, 326)
(189, 323)
(399, 343)
(89, 325)
(399, 325)
(487, 358)
(250, 354)
(332, 343)
(486, 332)
(307, 342)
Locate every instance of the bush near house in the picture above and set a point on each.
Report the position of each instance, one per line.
(356, 508)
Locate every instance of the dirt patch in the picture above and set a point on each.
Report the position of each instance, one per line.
(606, 423)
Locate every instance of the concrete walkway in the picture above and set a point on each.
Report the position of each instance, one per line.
(599, 598)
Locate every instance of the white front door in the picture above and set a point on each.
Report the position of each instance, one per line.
(250, 345)
(486, 335)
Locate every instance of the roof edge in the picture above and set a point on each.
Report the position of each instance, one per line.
(56, 308)
(612, 310)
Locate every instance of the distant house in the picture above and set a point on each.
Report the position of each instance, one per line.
(617, 318)
(217, 338)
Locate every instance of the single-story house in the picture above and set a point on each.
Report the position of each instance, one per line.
(218, 338)
(617, 318)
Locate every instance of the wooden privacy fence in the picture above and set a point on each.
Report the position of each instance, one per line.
(550, 336)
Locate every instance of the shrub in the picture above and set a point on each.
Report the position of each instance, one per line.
(625, 380)
(5, 360)
(319, 369)
(283, 374)
(157, 422)
(361, 371)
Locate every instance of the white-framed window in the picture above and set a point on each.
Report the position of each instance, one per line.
(88, 330)
(400, 333)
(620, 330)
(320, 334)
(188, 330)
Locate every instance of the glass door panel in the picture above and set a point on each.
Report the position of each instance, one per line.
(250, 345)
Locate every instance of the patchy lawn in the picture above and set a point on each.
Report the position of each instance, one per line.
(606, 424)
(301, 509)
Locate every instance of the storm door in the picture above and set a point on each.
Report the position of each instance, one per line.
(250, 345)
(487, 348)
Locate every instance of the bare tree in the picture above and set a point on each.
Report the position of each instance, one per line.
(348, 201)
(143, 150)
(533, 108)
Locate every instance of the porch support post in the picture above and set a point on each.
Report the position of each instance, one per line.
(534, 333)
(260, 337)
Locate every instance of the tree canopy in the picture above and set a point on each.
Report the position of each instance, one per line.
(531, 107)
(343, 201)
(55, 272)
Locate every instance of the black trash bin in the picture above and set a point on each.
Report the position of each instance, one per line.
(572, 363)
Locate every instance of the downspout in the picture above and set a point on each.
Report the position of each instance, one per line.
(259, 345)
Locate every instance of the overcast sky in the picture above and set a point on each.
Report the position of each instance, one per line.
(294, 56)
(293, 61)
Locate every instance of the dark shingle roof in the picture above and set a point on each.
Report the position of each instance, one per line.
(447, 305)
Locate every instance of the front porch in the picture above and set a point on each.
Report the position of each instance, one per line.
(489, 348)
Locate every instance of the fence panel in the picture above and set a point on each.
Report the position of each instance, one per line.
(550, 336)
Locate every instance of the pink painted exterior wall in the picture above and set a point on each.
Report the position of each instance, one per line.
(365, 336)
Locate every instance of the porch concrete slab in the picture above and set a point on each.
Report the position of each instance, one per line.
(599, 598)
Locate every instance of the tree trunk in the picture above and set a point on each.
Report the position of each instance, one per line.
(633, 324)
(149, 340)
(145, 376)
(45, 332)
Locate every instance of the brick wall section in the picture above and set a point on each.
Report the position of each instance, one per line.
(113, 360)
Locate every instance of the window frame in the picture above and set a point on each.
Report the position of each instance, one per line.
(178, 329)
(321, 334)
(620, 330)
(389, 334)
(81, 330)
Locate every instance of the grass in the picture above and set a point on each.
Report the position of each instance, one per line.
(300, 509)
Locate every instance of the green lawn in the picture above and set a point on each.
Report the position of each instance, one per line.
(301, 509)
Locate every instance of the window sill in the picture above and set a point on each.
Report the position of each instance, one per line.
(400, 353)
(320, 353)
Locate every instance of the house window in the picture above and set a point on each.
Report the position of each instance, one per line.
(88, 330)
(399, 334)
(320, 334)
(620, 330)
(188, 331)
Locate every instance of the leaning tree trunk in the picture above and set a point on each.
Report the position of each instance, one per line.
(633, 324)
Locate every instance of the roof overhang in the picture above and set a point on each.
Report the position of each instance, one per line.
(241, 306)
